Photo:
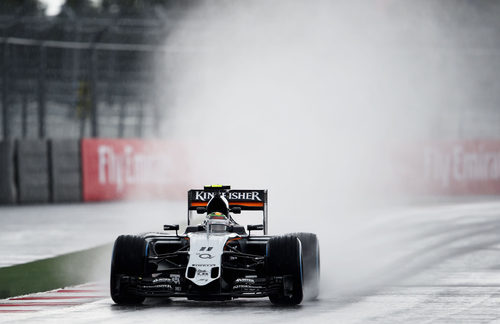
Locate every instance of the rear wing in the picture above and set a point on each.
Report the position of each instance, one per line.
(245, 199)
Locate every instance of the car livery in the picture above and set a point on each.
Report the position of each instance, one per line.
(218, 259)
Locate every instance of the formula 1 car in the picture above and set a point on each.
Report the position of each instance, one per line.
(218, 259)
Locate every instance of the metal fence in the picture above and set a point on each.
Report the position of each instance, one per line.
(75, 77)
(63, 81)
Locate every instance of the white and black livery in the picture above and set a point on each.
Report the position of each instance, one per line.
(218, 259)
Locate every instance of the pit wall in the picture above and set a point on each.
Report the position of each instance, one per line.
(44, 171)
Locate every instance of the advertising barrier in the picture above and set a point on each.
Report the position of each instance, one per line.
(452, 168)
(129, 168)
(39, 171)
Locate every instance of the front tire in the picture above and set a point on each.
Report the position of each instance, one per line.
(284, 259)
(128, 259)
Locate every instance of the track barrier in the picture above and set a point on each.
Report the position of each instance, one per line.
(39, 171)
(33, 171)
(65, 170)
(8, 193)
(451, 168)
(119, 168)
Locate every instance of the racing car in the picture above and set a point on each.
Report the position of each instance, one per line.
(217, 259)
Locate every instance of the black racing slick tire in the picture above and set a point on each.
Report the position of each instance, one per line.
(284, 259)
(128, 259)
(311, 263)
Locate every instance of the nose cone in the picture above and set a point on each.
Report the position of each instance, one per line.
(205, 255)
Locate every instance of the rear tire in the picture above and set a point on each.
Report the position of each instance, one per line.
(311, 259)
(284, 259)
(128, 259)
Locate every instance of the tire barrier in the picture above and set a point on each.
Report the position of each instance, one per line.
(8, 193)
(33, 179)
(65, 170)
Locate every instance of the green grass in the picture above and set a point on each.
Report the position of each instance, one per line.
(64, 270)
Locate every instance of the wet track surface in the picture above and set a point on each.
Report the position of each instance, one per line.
(448, 271)
(29, 233)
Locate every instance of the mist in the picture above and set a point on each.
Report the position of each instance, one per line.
(306, 99)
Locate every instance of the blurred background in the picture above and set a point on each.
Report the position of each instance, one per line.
(83, 68)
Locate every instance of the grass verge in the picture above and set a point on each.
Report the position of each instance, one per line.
(60, 271)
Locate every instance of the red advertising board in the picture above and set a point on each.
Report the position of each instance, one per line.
(119, 168)
(457, 167)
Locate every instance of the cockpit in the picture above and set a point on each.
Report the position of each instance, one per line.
(216, 222)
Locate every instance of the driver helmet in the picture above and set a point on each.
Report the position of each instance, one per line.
(218, 204)
(216, 222)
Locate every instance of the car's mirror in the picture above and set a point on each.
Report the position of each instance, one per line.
(258, 227)
(236, 210)
(201, 210)
(171, 227)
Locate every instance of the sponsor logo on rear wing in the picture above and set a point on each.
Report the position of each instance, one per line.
(246, 199)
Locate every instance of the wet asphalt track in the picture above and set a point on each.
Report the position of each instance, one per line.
(448, 272)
